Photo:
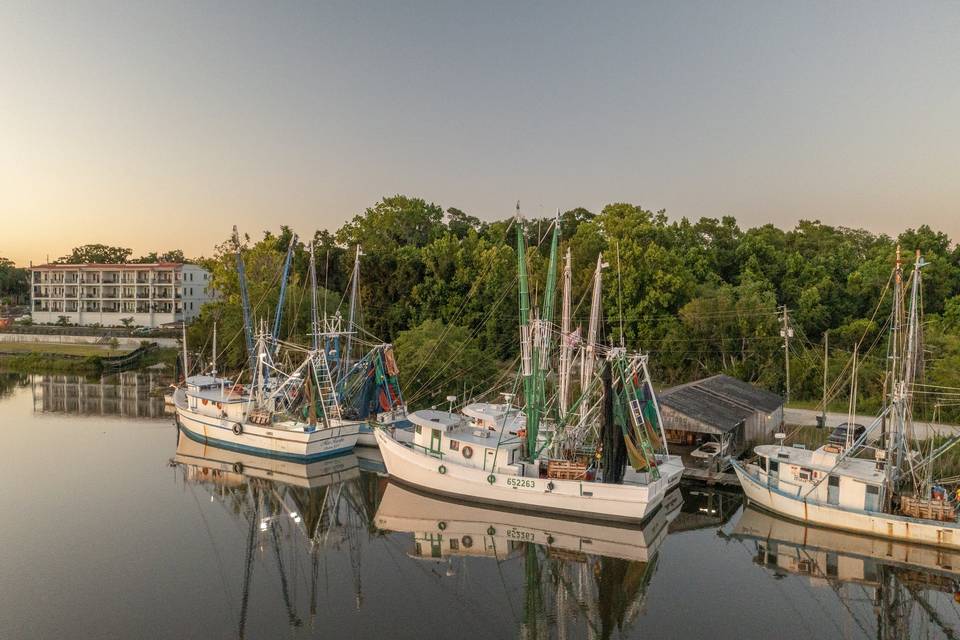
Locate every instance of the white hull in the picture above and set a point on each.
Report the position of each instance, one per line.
(271, 441)
(368, 439)
(945, 534)
(486, 529)
(592, 500)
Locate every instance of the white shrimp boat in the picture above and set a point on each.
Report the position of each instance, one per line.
(571, 462)
(894, 494)
(293, 416)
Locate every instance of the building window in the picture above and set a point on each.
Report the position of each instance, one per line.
(454, 445)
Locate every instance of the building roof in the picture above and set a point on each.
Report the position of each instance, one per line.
(696, 403)
(719, 401)
(742, 392)
(110, 266)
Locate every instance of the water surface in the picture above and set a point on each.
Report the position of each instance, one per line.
(113, 529)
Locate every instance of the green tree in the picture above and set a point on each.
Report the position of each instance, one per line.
(96, 253)
(437, 360)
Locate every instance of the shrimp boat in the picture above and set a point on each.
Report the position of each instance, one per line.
(892, 493)
(292, 415)
(554, 457)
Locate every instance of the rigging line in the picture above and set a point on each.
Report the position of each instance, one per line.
(463, 306)
(472, 335)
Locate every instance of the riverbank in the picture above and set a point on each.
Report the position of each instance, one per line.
(85, 359)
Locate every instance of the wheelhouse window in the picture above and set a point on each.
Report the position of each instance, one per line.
(454, 445)
(805, 474)
(872, 498)
(418, 429)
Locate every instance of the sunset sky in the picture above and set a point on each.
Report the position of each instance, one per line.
(159, 125)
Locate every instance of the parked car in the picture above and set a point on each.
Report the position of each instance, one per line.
(839, 434)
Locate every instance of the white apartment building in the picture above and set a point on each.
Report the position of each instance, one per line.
(152, 294)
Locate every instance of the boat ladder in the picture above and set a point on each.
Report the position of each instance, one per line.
(627, 374)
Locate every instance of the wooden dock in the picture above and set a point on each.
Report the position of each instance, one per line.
(710, 477)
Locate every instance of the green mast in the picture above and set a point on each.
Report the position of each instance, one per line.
(535, 336)
(526, 342)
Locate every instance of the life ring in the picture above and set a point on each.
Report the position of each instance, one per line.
(550, 539)
(467, 452)
(219, 405)
(550, 486)
(204, 401)
(491, 478)
(237, 428)
(442, 469)
(441, 525)
(238, 467)
(467, 542)
(491, 531)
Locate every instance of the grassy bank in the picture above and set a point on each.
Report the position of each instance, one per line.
(76, 360)
(56, 348)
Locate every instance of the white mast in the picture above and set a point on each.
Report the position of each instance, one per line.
(565, 339)
(353, 308)
(314, 326)
(214, 355)
(589, 352)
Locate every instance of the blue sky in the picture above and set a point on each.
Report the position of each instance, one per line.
(159, 125)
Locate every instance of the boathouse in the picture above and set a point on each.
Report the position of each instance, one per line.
(720, 408)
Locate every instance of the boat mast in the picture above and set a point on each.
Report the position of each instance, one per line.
(314, 326)
(890, 435)
(565, 345)
(345, 362)
(526, 343)
(283, 292)
(543, 334)
(186, 358)
(213, 363)
(245, 303)
(589, 355)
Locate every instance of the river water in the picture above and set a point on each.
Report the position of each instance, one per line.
(114, 528)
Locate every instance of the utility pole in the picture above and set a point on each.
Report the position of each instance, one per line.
(787, 333)
(826, 360)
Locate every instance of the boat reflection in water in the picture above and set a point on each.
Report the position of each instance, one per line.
(130, 394)
(891, 589)
(576, 572)
(318, 507)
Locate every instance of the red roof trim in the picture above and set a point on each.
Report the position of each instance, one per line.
(112, 267)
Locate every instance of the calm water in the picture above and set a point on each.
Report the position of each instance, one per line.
(111, 529)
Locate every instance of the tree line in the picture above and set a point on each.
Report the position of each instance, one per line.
(701, 297)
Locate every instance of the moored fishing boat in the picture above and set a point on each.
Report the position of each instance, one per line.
(292, 415)
(893, 493)
(548, 456)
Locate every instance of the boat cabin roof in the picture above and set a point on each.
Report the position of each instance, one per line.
(825, 460)
(213, 389)
(495, 415)
(433, 419)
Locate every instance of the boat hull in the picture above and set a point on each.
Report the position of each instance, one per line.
(943, 534)
(573, 498)
(269, 441)
(402, 431)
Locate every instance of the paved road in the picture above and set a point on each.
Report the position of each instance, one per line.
(922, 430)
